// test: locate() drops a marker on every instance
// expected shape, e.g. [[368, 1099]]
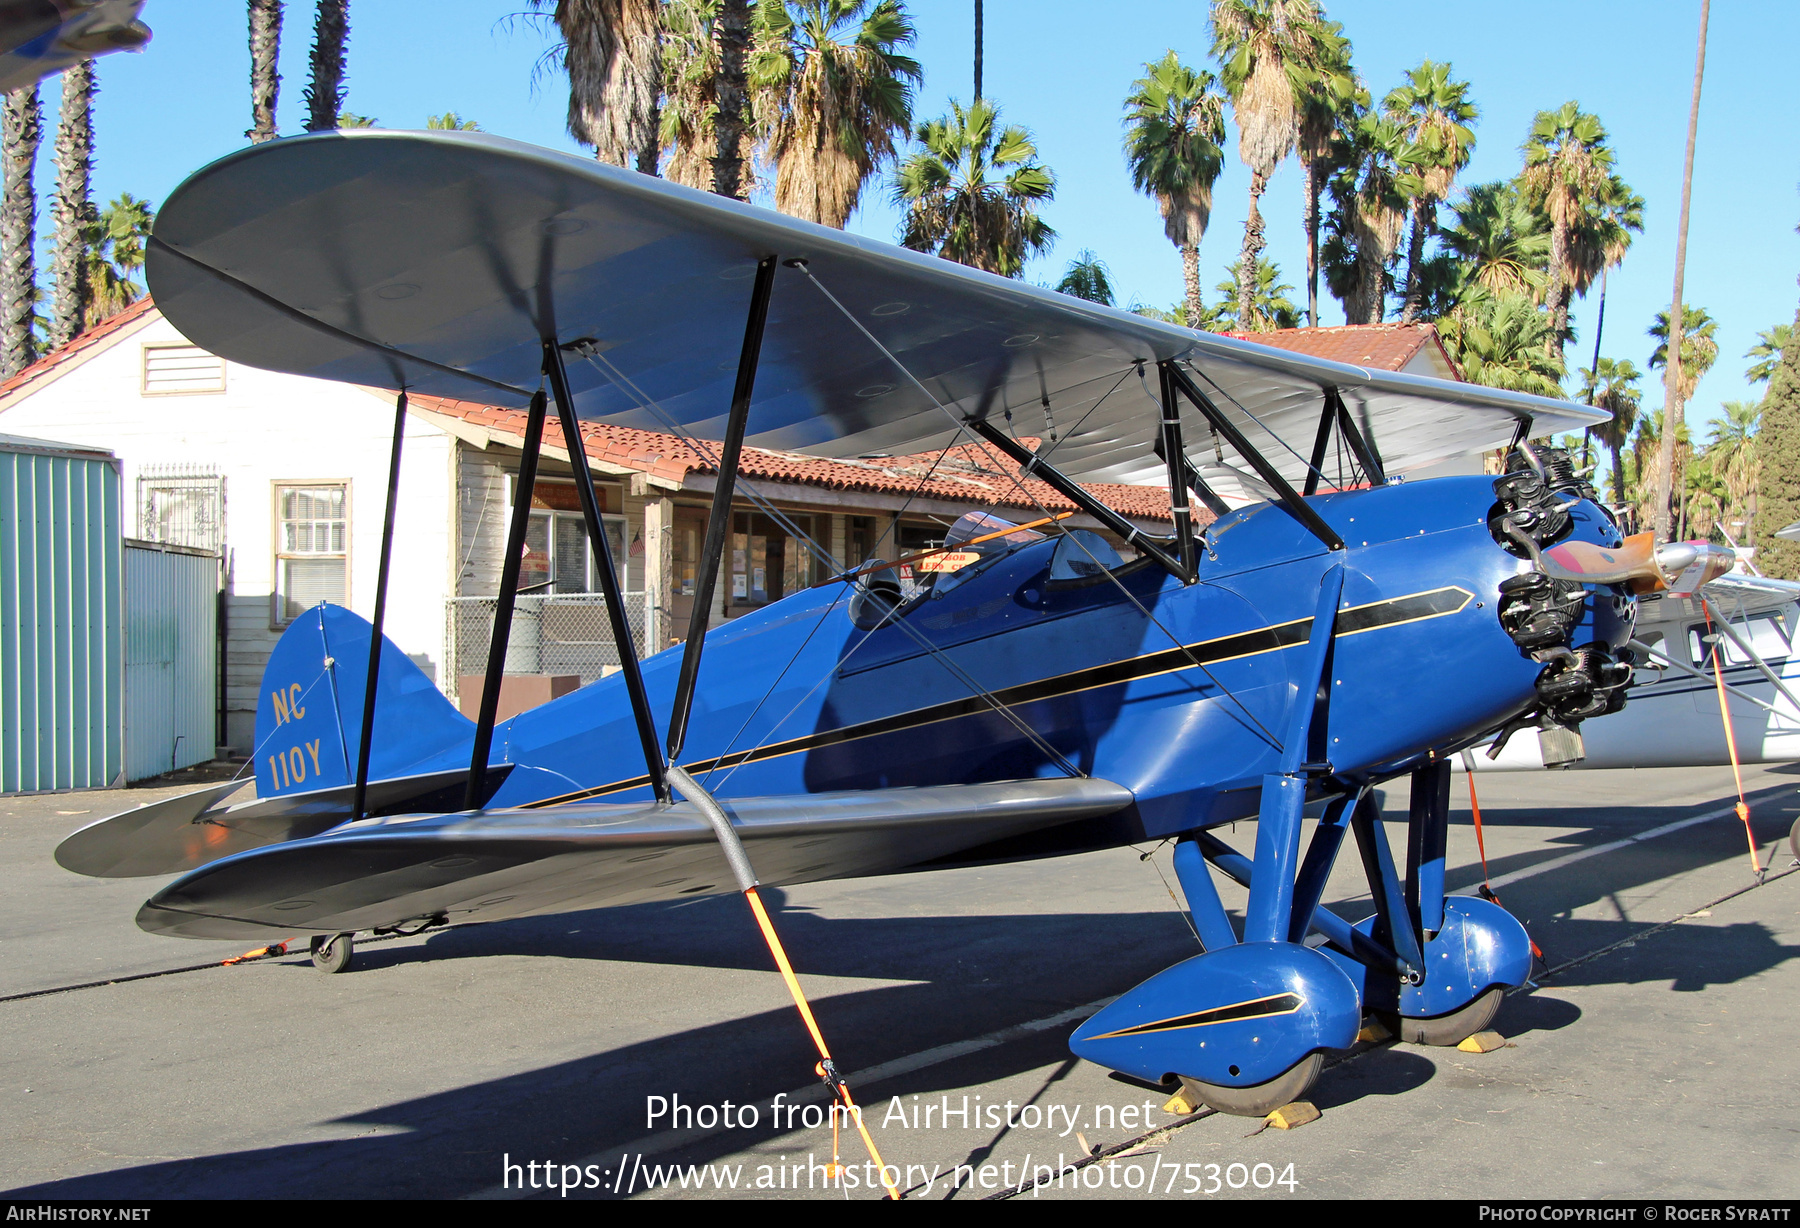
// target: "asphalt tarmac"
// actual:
[[1653, 1059]]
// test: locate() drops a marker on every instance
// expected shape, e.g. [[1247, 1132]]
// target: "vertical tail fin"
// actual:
[[309, 710]]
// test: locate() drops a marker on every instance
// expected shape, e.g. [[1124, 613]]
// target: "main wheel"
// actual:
[[332, 953], [1262, 1099], [1457, 1026], [1794, 838]]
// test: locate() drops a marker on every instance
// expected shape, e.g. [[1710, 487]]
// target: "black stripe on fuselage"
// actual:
[[1256, 1008], [1351, 621]]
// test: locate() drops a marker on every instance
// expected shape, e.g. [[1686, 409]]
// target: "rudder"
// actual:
[[309, 708]]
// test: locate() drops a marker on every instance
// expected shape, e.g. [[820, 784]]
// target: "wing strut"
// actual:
[[1361, 446], [1315, 467], [603, 563], [719, 520], [358, 798], [503, 612], [1031, 466], [1337, 414], [1175, 456], [1220, 423]]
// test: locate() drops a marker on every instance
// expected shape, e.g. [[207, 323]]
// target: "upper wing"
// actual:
[[440, 261], [506, 863]]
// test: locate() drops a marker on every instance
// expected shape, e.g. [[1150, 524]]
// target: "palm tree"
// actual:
[[1174, 315], [731, 98], [1613, 386], [265, 81], [1368, 217], [1087, 277], [831, 91], [1646, 446], [1731, 452], [21, 127], [1267, 50], [977, 50], [114, 242], [1699, 350], [613, 52], [1499, 241], [1600, 234], [1567, 168], [1771, 344], [325, 92], [1328, 101], [956, 210], [1433, 113], [1174, 123], [450, 121], [690, 76], [1270, 308], [1498, 340], [71, 209]]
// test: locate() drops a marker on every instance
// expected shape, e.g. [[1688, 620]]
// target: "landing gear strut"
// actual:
[[331, 953]]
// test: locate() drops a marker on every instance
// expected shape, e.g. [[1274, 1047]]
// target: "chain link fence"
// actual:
[[568, 633]]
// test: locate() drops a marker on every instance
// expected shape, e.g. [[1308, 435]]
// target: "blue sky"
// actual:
[[1062, 69]]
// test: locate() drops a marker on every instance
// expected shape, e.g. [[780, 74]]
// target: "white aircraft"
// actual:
[[1671, 717]]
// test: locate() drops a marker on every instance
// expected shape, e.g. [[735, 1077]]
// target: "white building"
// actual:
[[286, 477]]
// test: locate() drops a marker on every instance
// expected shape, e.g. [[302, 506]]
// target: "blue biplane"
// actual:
[[1062, 689]]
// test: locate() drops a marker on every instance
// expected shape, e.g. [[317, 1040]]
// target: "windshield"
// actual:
[[975, 541]]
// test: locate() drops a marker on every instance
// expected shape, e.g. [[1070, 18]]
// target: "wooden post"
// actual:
[[659, 573]]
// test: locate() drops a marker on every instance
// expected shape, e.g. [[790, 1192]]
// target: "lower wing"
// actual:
[[506, 863]]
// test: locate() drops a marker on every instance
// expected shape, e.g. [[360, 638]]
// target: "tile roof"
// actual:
[[1384, 347], [967, 473], [74, 351]]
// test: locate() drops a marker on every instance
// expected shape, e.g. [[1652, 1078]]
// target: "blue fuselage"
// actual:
[[1178, 692]]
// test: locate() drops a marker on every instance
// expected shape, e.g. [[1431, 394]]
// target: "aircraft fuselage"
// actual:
[[1179, 692]]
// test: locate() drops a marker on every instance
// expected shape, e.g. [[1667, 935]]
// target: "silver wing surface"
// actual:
[[506, 863], [182, 833], [442, 261]]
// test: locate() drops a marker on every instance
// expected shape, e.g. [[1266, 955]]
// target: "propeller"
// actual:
[[1679, 567]]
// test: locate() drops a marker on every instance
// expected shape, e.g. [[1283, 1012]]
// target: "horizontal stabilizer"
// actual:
[[162, 837], [183, 833], [508, 863]]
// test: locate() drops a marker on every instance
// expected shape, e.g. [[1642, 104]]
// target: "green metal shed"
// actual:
[[61, 617]]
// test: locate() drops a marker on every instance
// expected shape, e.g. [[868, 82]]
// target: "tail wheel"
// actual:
[[1263, 1098], [331, 953], [1457, 1026]]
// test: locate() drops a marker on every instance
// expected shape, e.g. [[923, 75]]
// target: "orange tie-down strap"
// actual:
[[1487, 891], [1715, 641], [826, 1069]]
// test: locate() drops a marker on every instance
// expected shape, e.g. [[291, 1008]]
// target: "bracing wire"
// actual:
[[956, 671], [1246, 412], [1035, 502]]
